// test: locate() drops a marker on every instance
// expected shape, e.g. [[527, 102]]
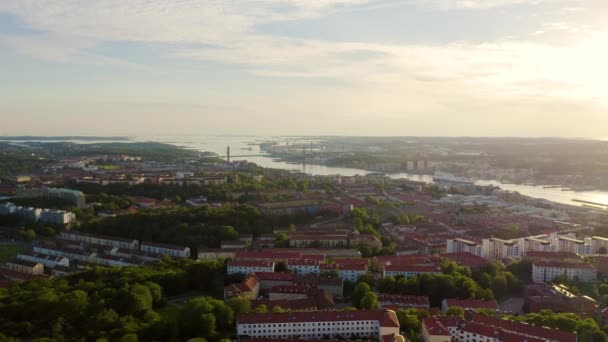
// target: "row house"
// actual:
[[288, 292], [409, 271], [165, 249], [547, 271], [347, 271], [71, 254], [47, 260], [488, 329], [304, 266], [249, 266], [317, 325], [99, 239], [24, 266]]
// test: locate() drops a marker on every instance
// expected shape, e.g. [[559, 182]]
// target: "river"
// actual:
[[241, 149]]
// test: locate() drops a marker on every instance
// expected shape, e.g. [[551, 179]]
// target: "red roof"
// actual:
[[290, 289], [434, 327], [472, 303], [250, 263], [364, 262], [480, 329], [413, 269], [526, 329], [449, 321], [385, 317], [302, 262], [343, 267], [552, 255], [274, 276], [563, 264], [268, 255]]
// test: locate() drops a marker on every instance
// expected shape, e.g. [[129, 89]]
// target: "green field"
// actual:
[[8, 251]]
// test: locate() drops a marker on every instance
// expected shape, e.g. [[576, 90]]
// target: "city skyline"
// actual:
[[331, 67]]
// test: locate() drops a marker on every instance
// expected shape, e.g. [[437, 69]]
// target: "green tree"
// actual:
[[360, 291], [369, 302], [455, 311]]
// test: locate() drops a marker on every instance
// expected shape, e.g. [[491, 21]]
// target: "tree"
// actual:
[[455, 311], [360, 291], [369, 302], [129, 338], [239, 305], [367, 278]]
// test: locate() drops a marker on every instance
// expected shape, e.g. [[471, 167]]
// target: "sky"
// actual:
[[304, 67]]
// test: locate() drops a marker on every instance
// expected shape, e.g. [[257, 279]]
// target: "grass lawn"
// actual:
[[8, 251]]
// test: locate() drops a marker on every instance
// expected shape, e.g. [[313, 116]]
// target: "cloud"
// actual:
[[389, 78]]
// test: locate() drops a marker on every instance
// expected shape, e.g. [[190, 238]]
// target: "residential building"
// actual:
[[599, 245], [462, 245], [99, 239], [304, 266], [74, 197], [347, 271], [166, 249], [216, 253], [249, 266], [56, 217], [409, 271], [546, 271], [558, 298], [249, 288], [499, 249], [47, 260], [289, 292], [434, 331], [571, 245], [24, 266], [317, 325], [71, 254], [469, 304], [393, 301], [333, 285], [270, 279]]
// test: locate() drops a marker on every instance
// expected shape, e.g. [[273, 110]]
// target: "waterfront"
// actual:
[[242, 151]]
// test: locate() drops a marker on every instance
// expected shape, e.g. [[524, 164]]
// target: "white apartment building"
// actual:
[[249, 266], [461, 245], [409, 271], [350, 272], [100, 239], [499, 249], [56, 216], [163, 248], [547, 271], [304, 267], [318, 325], [570, 245], [71, 254], [599, 245], [47, 260]]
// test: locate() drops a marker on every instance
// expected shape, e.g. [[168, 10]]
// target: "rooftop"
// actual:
[[385, 317]]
